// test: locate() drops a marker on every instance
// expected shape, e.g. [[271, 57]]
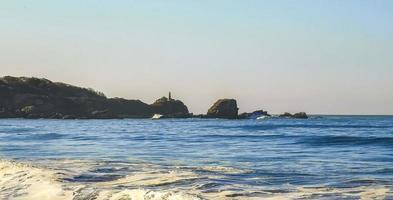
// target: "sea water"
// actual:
[[324, 157]]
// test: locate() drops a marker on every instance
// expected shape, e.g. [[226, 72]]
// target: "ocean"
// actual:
[[324, 157]]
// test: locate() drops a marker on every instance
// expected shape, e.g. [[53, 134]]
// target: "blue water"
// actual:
[[329, 151]]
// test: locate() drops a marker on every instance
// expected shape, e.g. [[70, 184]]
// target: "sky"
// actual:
[[321, 57]]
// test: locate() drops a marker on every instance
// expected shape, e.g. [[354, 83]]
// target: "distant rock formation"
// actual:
[[22, 97], [300, 115], [224, 108], [41, 98], [254, 115], [286, 114], [170, 108]]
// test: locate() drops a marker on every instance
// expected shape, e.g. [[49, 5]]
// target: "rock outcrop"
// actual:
[[41, 98], [224, 108], [286, 115], [300, 115], [170, 108], [254, 115]]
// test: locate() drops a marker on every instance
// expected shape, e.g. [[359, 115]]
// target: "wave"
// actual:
[[35, 136], [223, 170], [315, 140], [49, 180], [246, 136], [255, 127], [23, 181], [338, 140], [17, 130]]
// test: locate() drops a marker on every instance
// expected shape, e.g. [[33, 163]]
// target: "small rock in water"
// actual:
[[299, 115], [224, 108]]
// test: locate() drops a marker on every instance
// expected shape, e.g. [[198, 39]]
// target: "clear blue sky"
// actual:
[[331, 56]]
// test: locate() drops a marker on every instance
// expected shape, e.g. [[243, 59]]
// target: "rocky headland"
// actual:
[[23, 97]]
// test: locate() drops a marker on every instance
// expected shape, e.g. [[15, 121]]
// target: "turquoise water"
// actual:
[[266, 156]]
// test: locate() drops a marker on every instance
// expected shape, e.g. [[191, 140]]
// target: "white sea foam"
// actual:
[[21, 181], [48, 181], [226, 170], [25, 182]]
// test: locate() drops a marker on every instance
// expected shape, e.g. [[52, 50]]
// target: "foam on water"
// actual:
[[42, 181], [23, 181]]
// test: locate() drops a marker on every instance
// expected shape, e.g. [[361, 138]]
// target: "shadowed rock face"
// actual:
[[224, 108], [42, 98]]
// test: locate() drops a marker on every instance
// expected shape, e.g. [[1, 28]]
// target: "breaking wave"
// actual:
[[58, 180]]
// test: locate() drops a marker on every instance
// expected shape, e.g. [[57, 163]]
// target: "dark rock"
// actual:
[[123, 108], [300, 115], [254, 115], [260, 113], [170, 108], [199, 116], [68, 117], [224, 108], [243, 115], [287, 114]]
